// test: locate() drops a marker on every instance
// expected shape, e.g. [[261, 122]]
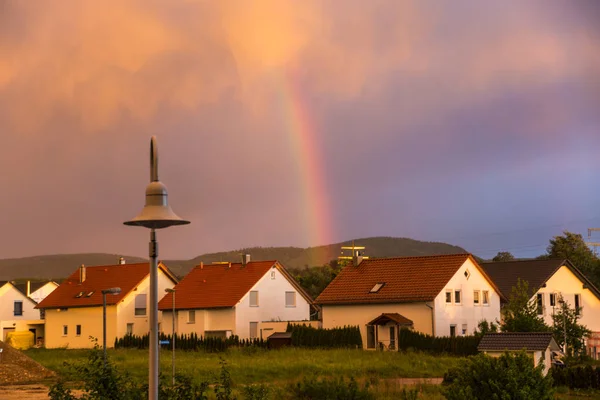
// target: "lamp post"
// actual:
[[172, 291], [115, 291], [156, 214]]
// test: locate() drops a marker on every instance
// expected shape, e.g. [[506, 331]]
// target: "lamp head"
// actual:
[[113, 290]]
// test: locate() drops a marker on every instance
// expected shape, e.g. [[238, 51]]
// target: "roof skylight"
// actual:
[[377, 287], [89, 294], [78, 295]]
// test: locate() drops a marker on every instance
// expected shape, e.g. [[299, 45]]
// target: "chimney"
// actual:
[[229, 264], [82, 273], [357, 259], [245, 259], [201, 264], [121, 261], [28, 288]]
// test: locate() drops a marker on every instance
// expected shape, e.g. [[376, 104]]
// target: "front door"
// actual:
[[392, 337], [370, 336]]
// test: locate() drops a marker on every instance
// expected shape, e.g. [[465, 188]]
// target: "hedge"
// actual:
[[190, 342], [308, 336], [458, 345], [579, 377]]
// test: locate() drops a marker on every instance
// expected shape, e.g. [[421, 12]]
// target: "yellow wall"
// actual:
[[90, 319], [340, 315], [219, 319]]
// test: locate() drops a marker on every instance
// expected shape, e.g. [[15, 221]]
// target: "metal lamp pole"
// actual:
[[172, 291], [115, 291], [156, 214]]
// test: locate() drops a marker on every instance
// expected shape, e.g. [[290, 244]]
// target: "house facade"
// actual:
[[37, 291], [74, 311], [234, 299], [550, 282], [18, 313], [446, 295]]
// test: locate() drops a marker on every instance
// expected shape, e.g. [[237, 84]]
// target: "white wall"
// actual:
[[43, 292], [465, 313], [271, 304], [8, 295], [126, 311], [566, 283]]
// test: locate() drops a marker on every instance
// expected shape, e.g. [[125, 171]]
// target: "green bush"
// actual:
[[510, 376], [458, 345], [333, 389], [577, 377], [190, 342], [307, 336]]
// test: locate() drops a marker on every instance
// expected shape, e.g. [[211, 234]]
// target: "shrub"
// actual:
[[308, 336], [321, 388], [511, 376], [458, 345], [255, 392]]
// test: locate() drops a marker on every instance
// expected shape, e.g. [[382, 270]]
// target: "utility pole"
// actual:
[[356, 254]]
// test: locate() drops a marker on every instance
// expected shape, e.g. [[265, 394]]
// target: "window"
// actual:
[[65, 330], [467, 274], [540, 304], [457, 297], [448, 296], [377, 287], [577, 304], [552, 299], [464, 329], [78, 330], [485, 297], [476, 297], [254, 298], [130, 329], [272, 274], [290, 299], [18, 308], [191, 317], [89, 294], [452, 330], [253, 330], [140, 305], [78, 295]]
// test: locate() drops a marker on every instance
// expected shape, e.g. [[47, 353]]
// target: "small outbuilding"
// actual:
[[540, 345], [279, 339]]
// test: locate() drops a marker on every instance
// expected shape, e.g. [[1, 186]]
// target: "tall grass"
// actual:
[[252, 365]]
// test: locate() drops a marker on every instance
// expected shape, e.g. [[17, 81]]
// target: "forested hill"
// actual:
[[59, 266]]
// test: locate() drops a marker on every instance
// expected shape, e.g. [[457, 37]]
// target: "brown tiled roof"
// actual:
[[393, 317], [220, 285], [536, 272], [406, 279], [125, 276], [534, 341]]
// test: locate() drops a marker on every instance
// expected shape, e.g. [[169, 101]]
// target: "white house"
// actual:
[[234, 299], [550, 282], [443, 295], [74, 310], [37, 290], [17, 312]]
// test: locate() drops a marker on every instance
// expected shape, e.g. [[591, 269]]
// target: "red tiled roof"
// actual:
[[125, 276], [217, 285], [406, 280], [393, 317]]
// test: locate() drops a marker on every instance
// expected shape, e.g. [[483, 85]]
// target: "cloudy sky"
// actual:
[[298, 122]]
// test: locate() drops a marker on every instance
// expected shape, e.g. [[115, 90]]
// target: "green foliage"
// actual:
[[511, 376], [255, 392], [580, 377], [307, 336], [409, 394], [329, 389], [458, 345], [223, 387], [484, 327], [315, 279], [572, 246], [520, 314], [566, 323], [503, 256], [191, 342]]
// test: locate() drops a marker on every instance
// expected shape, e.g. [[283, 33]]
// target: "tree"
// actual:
[[566, 324], [572, 246], [520, 314], [503, 256], [315, 279], [510, 376], [484, 327]]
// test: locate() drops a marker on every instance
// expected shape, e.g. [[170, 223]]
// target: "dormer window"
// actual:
[[377, 287], [78, 295], [89, 294]]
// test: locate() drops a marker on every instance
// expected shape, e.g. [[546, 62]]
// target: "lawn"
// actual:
[[250, 365]]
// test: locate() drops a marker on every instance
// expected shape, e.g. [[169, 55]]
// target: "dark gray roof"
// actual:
[[281, 335], [533, 341], [506, 274]]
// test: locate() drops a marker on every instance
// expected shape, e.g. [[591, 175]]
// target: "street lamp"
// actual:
[[156, 214], [172, 291], [114, 291]]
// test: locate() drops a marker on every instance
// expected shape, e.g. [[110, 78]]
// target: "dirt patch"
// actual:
[[19, 392], [16, 368]]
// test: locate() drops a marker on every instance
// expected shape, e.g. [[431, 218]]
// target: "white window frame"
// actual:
[[449, 292], [257, 302], [127, 330], [476, 297], [14, 308], [578, 312], [485, 297], [552, 299], [191, 317], [288, 305], [65, 330], [540, 309], [136, 308], [253, 323], [464, 330], [273, 274], [459, 291]]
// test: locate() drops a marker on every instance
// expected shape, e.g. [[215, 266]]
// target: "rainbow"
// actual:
[[301, 132]]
